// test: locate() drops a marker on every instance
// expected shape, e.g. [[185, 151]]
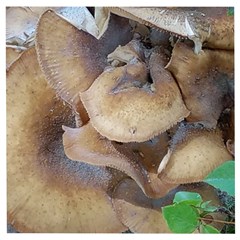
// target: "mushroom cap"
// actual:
[[46, 191], [209, 26], [137, 160], [144, 215], [72, 59], [203, 80], [193, 153], [137, 112]]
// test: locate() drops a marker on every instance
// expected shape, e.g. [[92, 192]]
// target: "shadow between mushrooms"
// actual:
[[47, 192]]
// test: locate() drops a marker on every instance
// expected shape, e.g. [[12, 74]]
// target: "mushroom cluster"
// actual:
[[105, 126]]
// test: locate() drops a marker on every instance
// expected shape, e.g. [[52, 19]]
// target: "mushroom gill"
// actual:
[[46, 191], [193, 153], [144, 215], [203, 80], [71, 59], [138, 160], [140, 110]]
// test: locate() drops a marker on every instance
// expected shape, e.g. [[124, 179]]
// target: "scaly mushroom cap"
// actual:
[[139, 161], [212, 28], [46, 191], [72, 59], [193, 153], [136, 112], [144, 215], [203, 80]]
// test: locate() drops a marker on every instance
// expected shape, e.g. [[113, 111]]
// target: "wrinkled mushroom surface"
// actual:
[[139, 111], [46, 191]]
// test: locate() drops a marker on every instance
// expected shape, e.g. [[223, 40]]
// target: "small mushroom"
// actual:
[[193, 153], [72, 59], [144, 215], [47, 192], [203, 80], [137, 112], [139, 161]]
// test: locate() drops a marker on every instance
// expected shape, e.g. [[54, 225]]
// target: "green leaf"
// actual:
[[223, 177], [208, 229], [190, 198], [181, 218], [208, 208]]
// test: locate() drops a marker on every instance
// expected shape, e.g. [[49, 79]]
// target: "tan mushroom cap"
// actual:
[[72, 59], [139, 161], [144, 215], [203, 80], [46, 191], [137, 112], [193, 153]]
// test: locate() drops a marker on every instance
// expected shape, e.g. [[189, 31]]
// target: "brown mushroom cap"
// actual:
[[144, 215], [139, 161], [71, 59], [46, 191], [203, 80], [138, 112], [193, 153]]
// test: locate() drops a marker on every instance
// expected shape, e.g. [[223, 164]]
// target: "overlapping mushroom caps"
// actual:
[[203, 80], [124, 106], [140, 161], [209, 26], [144, 215], [46, 191], [136, 100], [71, 59]]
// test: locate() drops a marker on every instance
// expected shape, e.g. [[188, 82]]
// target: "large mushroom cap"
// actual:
[[139, 111], [193, 153], [203, 80], [70, 58], [144, 215], [46, 191]]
